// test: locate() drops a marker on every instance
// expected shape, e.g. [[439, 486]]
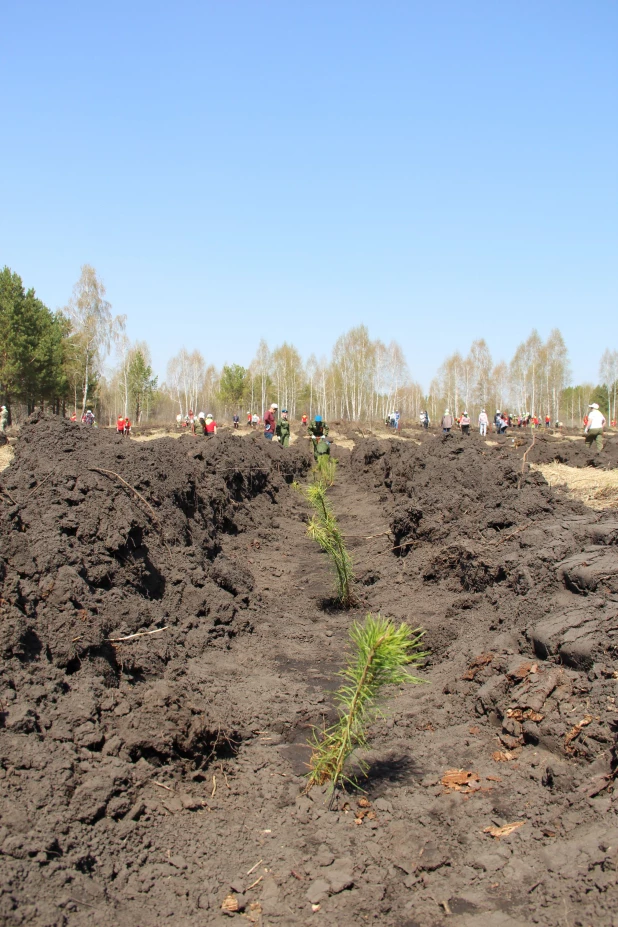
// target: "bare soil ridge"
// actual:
[[155, 776]]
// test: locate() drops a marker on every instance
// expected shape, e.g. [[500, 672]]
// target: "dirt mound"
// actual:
[[522, 592], [110, 539], [574, 453], [168, 643], [454, 487]]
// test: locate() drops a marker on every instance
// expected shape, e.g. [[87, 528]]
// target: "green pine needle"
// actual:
[[325, 470], [323, 529], [382, 652]]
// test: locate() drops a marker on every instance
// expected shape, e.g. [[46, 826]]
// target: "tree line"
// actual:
[[60, 361], [56, 360]]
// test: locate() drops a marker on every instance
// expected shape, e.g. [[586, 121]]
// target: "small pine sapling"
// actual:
[[325, 470], [380, 657], [324, 529]]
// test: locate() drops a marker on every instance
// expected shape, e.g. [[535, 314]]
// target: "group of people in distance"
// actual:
[[123, 426], [594, 423], [392, 420], [501, 422], [277, 425], [86, 419], [200, 424], [277, 428]]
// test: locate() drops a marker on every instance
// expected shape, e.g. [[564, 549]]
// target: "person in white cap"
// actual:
[[447, 422], [594, 428], [269, 422]]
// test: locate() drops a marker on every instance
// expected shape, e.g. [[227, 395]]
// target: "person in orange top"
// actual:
[[120, 425], [304, 419], [127, 427]]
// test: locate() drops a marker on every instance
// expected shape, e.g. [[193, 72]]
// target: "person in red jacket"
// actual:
[[269, 422], [120, 425], [127, 427], [210, 428]]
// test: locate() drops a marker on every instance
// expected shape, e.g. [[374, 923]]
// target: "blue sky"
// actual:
[[234, 170]]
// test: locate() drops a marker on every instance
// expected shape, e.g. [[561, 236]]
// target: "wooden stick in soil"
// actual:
[[365, 537], [6, 493], [112, 473], [130, 637], [161, 786], [523, 461], [38, 485]]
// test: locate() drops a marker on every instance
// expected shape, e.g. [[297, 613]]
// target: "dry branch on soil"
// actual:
[[138, 495], [130, 637], [523, 462]]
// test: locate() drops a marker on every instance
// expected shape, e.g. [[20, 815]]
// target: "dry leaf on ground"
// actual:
[[230, 904], [523, 670], [460, 780], [575, 731], [503, 756], [524, 714], [503, 831], [477, 664]]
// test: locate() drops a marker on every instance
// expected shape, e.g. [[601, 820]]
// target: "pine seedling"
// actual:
[[380, 657], [325, 470], [324, 529]]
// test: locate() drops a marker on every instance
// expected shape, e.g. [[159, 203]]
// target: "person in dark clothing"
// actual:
[[282, 429], [269, 422], [318, 431]]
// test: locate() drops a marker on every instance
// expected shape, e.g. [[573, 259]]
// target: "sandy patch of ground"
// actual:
[[6, 456], [340, 440], [595, 487], [158, 433]]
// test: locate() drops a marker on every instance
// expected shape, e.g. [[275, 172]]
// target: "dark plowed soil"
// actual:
[[148, 779], [574, 452]]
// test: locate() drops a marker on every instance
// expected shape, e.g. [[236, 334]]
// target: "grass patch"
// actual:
[[596, 488]]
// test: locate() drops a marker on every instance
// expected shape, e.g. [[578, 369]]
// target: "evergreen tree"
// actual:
[[141, 382]]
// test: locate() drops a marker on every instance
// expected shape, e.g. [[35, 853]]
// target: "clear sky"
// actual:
[[439, 171]]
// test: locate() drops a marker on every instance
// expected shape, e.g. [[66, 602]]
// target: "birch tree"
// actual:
[[288, 377], [92, 323], [354, 358], [608, 375], [260, 367]]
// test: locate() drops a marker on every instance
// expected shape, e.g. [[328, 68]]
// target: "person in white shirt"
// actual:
[[483, 422], [594, 428]]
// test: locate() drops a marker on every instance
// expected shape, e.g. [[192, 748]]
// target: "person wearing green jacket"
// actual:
[[319, 431], [282, 429]]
